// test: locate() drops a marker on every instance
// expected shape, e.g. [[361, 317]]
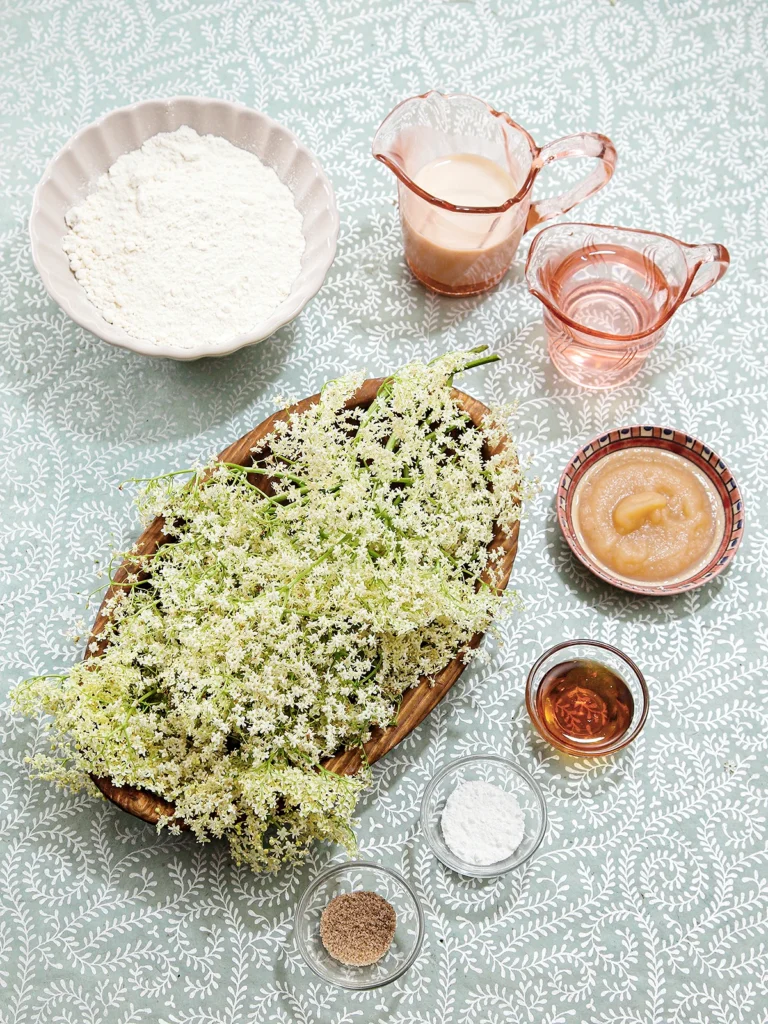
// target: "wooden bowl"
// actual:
[[417, 702]]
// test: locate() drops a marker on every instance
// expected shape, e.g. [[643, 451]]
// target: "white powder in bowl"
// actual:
[[186, 240], [482, 824]]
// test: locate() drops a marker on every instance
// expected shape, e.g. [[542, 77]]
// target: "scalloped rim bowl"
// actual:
[[93, 150], [668, 439]]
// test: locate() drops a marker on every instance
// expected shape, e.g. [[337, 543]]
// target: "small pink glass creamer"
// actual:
[[465, 175], [609, 293]]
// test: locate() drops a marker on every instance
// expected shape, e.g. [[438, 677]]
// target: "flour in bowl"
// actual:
[[186, 240]]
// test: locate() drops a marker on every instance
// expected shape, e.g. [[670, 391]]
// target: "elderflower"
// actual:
[[268, 631]]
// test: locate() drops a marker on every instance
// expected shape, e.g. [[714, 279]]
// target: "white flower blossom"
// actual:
[[269, 631]]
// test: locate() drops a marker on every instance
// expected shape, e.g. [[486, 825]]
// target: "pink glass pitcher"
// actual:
[[609, 293], [465, 177]]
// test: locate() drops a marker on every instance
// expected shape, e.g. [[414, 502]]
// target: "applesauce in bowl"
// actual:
[[651, 510], [648, 514]]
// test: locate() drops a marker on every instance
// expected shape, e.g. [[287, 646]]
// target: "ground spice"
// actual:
[[357, 928]]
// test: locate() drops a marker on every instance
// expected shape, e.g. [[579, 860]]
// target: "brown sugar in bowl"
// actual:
[[357, 928], [357, 877]]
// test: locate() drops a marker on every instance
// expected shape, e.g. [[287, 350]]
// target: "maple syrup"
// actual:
[[584, 704]]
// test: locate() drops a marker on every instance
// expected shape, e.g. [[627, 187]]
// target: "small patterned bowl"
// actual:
[[352, 877], [669, 440], [501, 772], [93, 150]]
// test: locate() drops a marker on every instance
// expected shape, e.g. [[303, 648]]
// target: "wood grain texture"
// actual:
[[417, 702]]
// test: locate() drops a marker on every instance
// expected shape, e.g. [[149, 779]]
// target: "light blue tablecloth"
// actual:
[[647, 901]]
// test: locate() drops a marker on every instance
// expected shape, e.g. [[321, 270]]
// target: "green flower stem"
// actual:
[[493, 358], [306, 572], [247, 470], [155, 479]]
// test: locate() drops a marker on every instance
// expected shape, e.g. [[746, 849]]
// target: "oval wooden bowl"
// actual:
[[417, 702]]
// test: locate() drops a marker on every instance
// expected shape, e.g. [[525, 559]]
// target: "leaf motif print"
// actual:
[[647, 902]]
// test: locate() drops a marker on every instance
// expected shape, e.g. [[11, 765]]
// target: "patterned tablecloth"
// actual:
[[647, 901]]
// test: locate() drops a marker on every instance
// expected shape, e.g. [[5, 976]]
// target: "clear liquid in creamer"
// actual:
[[453, 251]]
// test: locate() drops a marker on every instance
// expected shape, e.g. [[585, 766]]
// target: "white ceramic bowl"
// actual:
[[93, 150]]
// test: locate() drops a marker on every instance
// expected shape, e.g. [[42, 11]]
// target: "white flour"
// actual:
[[188, 239], [481, 823]]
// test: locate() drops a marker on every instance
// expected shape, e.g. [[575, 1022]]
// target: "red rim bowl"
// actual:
[[698, 453]]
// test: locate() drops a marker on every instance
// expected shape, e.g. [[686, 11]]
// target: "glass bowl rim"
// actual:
[[301, 913], [535, 718], [500, 867]]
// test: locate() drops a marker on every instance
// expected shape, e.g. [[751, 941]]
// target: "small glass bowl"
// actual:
[[354, 876], [501, 772], [615, 660]]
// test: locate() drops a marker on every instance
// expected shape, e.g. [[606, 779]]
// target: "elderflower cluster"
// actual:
[[271, 630]]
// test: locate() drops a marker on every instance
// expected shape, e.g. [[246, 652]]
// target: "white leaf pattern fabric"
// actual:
[[647, 901]]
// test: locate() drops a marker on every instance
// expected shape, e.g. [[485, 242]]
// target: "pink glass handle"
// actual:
[[710, 263], [588, 144]]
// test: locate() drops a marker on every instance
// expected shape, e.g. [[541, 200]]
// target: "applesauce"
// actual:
[[648, 515]]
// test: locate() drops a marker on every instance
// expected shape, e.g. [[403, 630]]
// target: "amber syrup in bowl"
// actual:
[[587, 698], [584, 702]]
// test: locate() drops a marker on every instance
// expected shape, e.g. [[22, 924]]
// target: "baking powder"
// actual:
[[186, 240], [481, 823]]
